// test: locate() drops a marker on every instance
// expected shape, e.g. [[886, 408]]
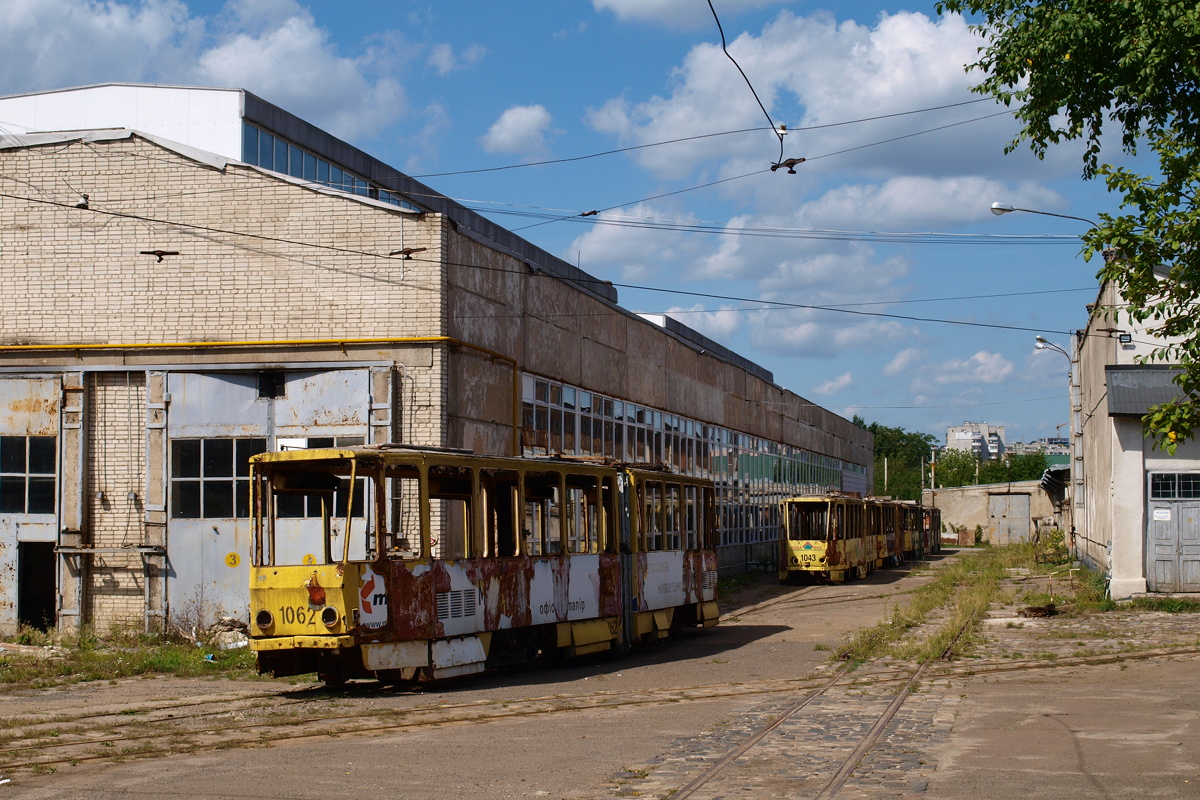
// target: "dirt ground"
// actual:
[[1042, 731]]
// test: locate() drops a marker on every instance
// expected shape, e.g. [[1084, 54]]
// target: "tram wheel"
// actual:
[[331, 679]]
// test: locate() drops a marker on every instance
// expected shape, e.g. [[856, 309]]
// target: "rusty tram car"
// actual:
[[400, 563], [840, 536]]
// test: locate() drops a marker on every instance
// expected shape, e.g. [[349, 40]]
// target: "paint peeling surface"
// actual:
[[8, 587], [29, 406]]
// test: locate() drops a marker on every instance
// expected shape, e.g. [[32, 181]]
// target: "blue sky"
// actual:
[[792, 271]]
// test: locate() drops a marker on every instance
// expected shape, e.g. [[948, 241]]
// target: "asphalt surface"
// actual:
[[1049, 727]]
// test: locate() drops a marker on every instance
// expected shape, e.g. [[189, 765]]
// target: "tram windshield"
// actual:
[[807, 521]]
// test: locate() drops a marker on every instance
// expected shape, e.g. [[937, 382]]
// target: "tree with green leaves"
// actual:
[[900, 458], [1073, 67]]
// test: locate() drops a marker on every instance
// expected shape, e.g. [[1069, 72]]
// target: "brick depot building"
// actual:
[[191, 276]]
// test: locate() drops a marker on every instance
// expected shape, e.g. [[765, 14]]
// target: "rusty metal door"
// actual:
[[207, 553], [1008, 518], [1173, 545]]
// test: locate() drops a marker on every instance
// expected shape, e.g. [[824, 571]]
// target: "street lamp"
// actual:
[[1004, 208], [1045, 344]]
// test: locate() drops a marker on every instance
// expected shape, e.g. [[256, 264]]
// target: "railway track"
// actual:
[[149, 730]]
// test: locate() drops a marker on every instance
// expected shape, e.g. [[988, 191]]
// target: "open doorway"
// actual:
[[35, 584]]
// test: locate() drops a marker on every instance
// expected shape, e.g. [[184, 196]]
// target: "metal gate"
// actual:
[[1008, 518]]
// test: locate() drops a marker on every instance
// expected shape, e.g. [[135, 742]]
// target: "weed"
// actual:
[[1171, 605], [82, 656]]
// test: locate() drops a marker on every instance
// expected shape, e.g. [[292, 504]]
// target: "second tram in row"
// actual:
[[838, 536]]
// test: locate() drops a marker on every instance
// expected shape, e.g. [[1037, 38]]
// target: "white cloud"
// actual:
[[567, 33], [294, 65], [816, 71], [520, 130], [443, 58], [981, 368], [49, 44], [274, 48], [835, 385], [687, 14], [904, 362], [720, 325], [640, 254], [810, 334]]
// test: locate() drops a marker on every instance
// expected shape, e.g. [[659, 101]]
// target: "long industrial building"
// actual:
[[193, 275]]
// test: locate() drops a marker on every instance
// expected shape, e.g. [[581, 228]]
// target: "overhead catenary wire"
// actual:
[[682, 292], [725, 49], [697, 137], [593, 215]]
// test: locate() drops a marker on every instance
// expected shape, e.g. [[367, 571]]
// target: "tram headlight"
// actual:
[[330, 616], [264, 620]]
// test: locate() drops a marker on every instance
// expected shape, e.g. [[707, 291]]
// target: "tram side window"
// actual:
[[498, 489], [652, 511], [450, 512], [674, 532], [691, 512], [404, 515], [543, 514], [808, 522], [584, 514]]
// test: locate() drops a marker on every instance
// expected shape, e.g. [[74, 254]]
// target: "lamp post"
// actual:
[[1074, 381], [1044, 344]]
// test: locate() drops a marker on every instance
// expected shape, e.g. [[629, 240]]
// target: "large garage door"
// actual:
[[215, 422]]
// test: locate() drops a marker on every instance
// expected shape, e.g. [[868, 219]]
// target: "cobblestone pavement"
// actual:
[[799, 758]]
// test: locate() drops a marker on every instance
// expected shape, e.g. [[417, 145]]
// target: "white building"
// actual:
[[1136, 509], [985, 442]]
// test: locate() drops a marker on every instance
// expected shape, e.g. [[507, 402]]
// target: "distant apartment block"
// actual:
[[985, 442]]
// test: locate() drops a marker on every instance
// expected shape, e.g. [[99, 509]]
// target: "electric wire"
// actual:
[[679, 140], [725, 50], [581, 281]]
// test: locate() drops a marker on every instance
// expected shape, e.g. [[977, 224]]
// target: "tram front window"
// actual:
[[309, 511], [808, 523]]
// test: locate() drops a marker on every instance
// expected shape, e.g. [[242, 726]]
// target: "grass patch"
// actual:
[[1171, 605], [963, 591], [81, 657]]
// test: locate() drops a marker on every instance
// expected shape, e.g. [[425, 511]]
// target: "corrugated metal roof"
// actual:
[[1133, 389]]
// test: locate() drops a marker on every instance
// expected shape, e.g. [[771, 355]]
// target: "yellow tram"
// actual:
[[840, 536], [401, 563]]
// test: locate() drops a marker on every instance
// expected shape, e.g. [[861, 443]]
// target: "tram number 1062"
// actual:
[[292, 615]]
